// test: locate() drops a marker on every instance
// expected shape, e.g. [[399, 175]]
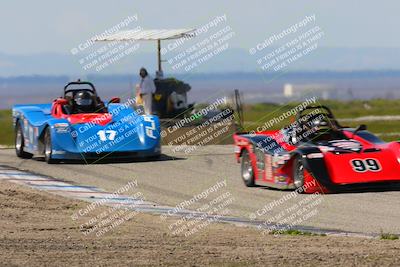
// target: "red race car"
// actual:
[[316, 154]]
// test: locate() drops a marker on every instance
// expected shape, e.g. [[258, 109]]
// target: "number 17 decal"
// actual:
[[105, 135], [363, 165]]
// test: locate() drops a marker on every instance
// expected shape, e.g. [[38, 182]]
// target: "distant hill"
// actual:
[[256, 86], [232, 60]]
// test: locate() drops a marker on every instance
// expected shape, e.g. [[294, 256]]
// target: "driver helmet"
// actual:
[[83, 99]]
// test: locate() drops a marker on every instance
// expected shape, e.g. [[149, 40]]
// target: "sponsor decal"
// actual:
[[344, 144], [150, 129], [237, 149], [280, 179], [58, 152], [268, 166], [315, 156]]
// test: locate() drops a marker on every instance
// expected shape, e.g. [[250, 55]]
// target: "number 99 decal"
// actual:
[[363, 165]]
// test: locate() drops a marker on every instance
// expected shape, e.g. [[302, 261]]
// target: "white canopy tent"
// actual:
[[149, 35]]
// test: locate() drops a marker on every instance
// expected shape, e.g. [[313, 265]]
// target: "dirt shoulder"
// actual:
[[36, 229]]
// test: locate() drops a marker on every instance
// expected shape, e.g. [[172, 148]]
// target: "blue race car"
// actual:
[[79, 126]]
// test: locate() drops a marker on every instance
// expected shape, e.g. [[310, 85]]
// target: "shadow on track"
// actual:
[[353, 189]]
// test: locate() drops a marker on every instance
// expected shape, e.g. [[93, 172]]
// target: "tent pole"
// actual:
[[159, 54]]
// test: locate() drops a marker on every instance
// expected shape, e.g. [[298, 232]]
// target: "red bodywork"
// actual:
[[97, 118], [331, 172]]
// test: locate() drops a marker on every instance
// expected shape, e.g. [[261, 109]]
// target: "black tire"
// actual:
[[298, 172], [48, 150], [19, 143], [247, 170]]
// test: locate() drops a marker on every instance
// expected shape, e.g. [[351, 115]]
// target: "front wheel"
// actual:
[[20, 143], [298, 172], [48, 149], [247, 169]]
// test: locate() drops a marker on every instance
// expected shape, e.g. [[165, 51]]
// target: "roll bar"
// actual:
[[79, 82]]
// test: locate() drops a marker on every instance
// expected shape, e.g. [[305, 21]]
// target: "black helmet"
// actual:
[[83, 99]]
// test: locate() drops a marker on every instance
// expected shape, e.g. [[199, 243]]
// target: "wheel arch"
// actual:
[[316, 167], [41, 138]]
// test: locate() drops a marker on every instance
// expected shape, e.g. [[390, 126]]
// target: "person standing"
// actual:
[[146, 90]]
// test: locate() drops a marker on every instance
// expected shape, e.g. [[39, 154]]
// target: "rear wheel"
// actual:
[[20, 143], [48, 149], [298, 172], [247, 169]]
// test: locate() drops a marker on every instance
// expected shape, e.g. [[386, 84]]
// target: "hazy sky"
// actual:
[[57, 26]]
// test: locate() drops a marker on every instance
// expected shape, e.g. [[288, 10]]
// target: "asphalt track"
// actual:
[[178, 177]]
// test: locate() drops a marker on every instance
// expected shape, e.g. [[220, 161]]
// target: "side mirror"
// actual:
[[115, 100]]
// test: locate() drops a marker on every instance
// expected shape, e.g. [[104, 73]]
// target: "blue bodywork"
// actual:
[[127, 135]]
